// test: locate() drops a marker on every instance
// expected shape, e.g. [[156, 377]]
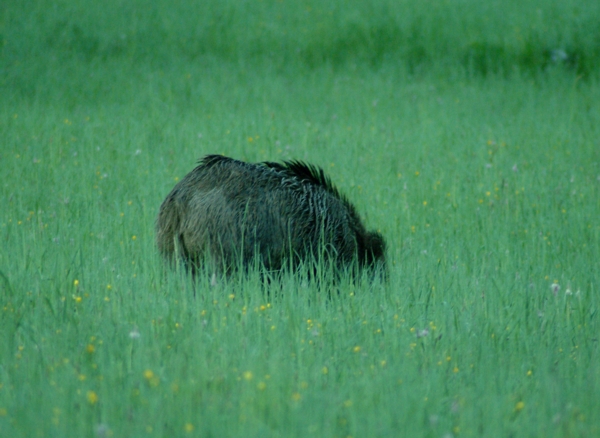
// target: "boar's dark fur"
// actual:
[[229, 213]]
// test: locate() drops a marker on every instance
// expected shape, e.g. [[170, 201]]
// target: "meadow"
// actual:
[[466, 132]]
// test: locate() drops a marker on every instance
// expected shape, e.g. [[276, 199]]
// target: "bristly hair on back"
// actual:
[[310, 174], [211, 160], [295, 168]]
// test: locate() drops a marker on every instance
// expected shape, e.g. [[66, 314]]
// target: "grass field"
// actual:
[[466, 132]]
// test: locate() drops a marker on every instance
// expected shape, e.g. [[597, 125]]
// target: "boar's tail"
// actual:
[[168, 230]]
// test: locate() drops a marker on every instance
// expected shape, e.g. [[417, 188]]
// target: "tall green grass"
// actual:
[[482, 38], [484, 178]]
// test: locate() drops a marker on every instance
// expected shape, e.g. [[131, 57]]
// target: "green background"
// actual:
[[466, 132]]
